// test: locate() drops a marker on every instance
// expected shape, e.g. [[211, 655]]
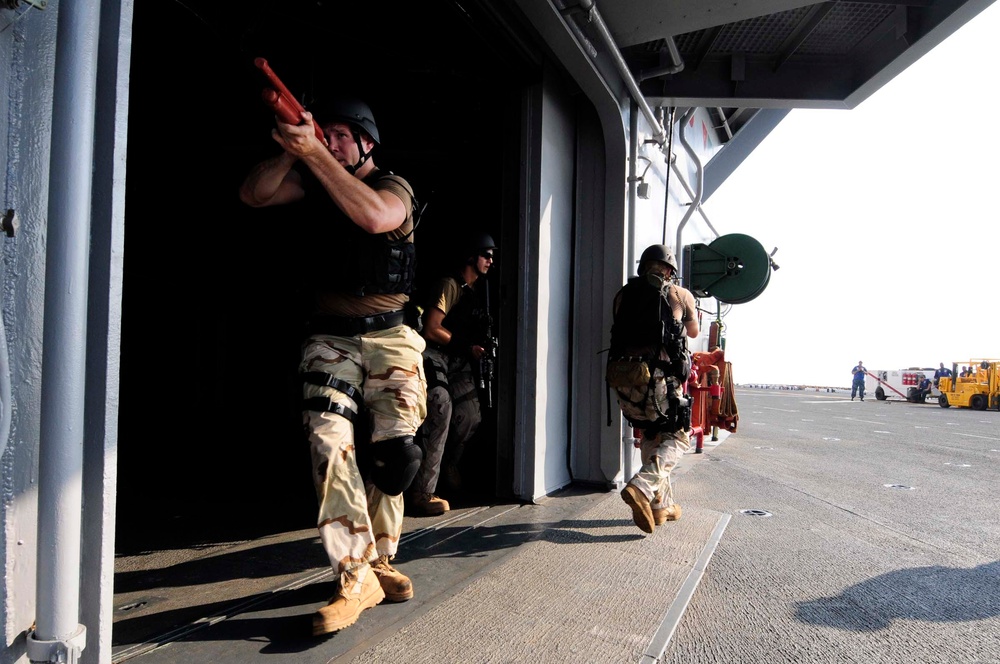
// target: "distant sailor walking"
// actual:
[[858, 384]]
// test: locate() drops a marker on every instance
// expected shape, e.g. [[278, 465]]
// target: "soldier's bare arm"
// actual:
[[272, 182], [690, 314], [433, 330], [373, 211]]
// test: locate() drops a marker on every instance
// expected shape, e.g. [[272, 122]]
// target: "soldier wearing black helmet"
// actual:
[[648, 367], [361, 361], [452, 316]]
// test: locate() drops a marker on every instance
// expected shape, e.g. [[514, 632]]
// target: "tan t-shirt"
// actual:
[[445, 294], [347, 304]]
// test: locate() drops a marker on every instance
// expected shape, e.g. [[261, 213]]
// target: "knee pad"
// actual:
[[395, 463]]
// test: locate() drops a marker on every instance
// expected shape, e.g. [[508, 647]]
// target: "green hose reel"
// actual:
[[733, 268]]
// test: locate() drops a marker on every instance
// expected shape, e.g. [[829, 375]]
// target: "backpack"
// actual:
[[643, 331]]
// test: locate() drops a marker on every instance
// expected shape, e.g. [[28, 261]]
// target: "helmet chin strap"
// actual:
[[361, 151]]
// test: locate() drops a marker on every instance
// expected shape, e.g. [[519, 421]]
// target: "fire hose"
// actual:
[[727, 407]]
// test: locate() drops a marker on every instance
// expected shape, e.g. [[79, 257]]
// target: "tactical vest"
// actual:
[[644, 325], [645, 337], [461, 319], [345, 258]]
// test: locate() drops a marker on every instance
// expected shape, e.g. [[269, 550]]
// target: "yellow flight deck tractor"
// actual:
[[979, 391]]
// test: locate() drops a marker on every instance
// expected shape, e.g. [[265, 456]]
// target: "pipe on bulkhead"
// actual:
[[58, 636], [698, 191], [687, 189], [628, 440], [667, 151], [594, 16], [676, 65], [725, 122], [633, 157], [581, 38]]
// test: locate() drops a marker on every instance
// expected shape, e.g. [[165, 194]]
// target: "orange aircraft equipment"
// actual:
[[713, 403]]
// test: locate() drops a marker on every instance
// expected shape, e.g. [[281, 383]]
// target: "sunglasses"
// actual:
[[487, 254]]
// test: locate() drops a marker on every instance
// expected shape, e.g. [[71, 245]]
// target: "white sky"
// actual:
[[885, 218]]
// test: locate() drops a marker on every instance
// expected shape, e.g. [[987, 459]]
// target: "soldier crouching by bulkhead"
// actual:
[[648, 366], [361, 362]]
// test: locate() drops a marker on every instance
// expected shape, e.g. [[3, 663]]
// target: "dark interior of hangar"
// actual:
[[210, 438]]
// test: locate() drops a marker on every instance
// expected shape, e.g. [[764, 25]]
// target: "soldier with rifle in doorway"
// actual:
[[459, 361], [361, 359]]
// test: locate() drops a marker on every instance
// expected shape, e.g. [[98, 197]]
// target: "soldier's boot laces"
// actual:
[[642, 513], [663, 514], [427, 504], [359, 590], [396, 585]]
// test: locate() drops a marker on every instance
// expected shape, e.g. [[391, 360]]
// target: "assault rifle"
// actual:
[[487, 363], [282, 101]]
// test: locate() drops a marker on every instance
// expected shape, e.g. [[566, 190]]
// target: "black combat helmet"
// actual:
[[349, 110], [480, 243], [658, 252]]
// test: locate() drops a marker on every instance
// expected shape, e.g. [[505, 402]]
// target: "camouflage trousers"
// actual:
[[357, 522], [661, 452], [453, 415]]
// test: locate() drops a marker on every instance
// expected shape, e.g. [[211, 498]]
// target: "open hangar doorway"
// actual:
[[211, 443]]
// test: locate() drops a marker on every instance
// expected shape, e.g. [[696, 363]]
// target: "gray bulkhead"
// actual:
[[25, 83], [596, 257], [605, 236], [30, 87]]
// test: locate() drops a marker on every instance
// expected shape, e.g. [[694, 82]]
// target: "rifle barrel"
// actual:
[[283, 102], [281, 107], [261, 64]]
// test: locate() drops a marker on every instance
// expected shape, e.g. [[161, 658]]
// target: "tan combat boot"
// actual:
[[427, 504], [642, 513], [664, 514], [359, 590], [396, 585]]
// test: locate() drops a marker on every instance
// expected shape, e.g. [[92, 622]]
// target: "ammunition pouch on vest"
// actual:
[[628, 373], [676, 417], [366, 264]]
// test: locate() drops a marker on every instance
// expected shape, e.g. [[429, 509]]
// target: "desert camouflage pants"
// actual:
[[661, 453], [356, 522], [453, 415]]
